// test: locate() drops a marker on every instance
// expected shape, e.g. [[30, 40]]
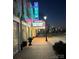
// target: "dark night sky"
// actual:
[[55, 10]]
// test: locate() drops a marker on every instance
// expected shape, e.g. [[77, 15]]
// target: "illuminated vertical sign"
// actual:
[[25, 7], [36, 11], [28, 8], [31, 11], [19, 8]]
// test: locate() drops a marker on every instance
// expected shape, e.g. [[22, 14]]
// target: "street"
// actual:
[[40, 49]]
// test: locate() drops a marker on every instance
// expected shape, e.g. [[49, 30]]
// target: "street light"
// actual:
[[45, 17]]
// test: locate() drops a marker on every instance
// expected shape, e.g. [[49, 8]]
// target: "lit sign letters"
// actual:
[[36, 12], [38, 23]]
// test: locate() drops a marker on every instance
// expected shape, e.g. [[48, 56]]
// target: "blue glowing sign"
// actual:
[[36, 4], [36, 11]]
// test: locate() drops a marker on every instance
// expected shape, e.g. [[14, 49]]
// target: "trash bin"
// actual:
[[23, 44], [30, 40]]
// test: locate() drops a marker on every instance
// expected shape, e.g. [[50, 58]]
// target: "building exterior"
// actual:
[[25, 24], [16, 40], [15, 27]]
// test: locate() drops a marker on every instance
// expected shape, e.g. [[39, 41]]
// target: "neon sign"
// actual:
[[36, 12], [38, 23]]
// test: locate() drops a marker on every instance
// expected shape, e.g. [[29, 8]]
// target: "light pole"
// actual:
[[45, 17]]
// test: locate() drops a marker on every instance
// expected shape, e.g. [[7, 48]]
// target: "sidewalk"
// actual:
[[40, 49]]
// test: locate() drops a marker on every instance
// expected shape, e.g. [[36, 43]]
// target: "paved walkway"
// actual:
[[40, 49]]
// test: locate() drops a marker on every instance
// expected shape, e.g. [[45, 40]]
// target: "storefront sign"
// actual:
[[38, 23]]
